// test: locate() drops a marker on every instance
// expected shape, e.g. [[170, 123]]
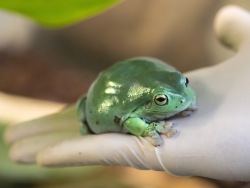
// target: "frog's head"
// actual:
[[170, 98]]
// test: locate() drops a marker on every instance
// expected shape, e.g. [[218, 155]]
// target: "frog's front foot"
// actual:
[[165, 127], [156, 139], [162, 127]]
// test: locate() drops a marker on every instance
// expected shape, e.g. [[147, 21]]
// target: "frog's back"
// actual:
[[119, 90], [136, 66]]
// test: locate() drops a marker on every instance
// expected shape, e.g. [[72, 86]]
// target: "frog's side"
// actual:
[[136, 96]]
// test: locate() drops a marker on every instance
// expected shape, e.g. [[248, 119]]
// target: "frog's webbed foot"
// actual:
[[165, 127], [139, 127], [156, 139], [162, 127]]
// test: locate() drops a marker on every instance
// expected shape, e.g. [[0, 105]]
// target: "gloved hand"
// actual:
[[212, 142]]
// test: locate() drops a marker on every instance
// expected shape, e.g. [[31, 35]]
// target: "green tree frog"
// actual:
[[137, 96]]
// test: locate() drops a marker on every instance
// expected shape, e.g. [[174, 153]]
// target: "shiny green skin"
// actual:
[[127, 90]]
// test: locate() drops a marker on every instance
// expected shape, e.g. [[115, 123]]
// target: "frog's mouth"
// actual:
[[157, 115]]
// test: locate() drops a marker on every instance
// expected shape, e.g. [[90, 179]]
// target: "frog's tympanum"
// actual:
[[137, 96]]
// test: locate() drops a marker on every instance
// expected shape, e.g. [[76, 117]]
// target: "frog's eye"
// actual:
[[161, 99], [186, 82]]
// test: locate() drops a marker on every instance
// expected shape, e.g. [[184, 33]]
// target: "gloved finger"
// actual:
[[104, 149], [64, 120], [232, 30], [25, 150]]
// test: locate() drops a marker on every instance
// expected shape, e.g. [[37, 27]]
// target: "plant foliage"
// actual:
[[57, 13]]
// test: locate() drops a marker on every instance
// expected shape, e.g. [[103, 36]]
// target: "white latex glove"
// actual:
[[213, 142]]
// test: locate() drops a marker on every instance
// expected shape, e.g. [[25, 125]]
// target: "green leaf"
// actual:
[[57, 13]]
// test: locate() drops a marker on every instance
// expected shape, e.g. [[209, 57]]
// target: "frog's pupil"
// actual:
[[187, 81], [161, 99]]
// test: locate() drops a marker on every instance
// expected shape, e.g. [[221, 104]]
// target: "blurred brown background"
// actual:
[[59, 65]]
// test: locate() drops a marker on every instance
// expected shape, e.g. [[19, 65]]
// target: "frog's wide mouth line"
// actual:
[[172, 112]]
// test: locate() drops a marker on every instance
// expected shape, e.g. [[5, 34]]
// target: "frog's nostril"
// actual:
[[182, 101]]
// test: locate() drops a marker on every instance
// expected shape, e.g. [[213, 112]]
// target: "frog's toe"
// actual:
[[170, 133], [163, 128], [156, 140]]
